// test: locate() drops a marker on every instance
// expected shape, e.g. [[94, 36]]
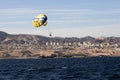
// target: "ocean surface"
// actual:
[[91, 68]]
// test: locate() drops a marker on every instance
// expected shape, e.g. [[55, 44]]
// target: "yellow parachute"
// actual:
[[40, 20]]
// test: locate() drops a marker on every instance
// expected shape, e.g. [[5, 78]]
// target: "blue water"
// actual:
[[94, 68]]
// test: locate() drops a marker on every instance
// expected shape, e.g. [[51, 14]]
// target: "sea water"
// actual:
[[89, 68]]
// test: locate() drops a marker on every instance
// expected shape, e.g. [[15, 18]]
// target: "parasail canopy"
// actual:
[[40, 20]]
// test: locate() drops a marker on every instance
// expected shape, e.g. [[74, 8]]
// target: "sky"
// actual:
[[66, 18]]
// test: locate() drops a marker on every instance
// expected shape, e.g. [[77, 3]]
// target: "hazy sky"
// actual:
[[66, 18]]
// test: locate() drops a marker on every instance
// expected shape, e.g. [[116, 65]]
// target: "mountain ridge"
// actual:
[[4, 35], [37, 46]]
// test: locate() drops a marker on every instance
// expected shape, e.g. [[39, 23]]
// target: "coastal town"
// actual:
[[35, 46]]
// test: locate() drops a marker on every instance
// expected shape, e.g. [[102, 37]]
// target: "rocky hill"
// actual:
[[35, 46], [7, 38]]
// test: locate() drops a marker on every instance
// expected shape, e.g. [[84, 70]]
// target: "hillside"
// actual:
[[26, 46], [5, 37]]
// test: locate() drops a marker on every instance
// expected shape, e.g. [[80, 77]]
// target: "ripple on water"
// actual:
[[96, 68]]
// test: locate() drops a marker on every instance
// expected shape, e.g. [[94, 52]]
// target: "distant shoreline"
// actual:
[[58, 58], [36, 46]]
